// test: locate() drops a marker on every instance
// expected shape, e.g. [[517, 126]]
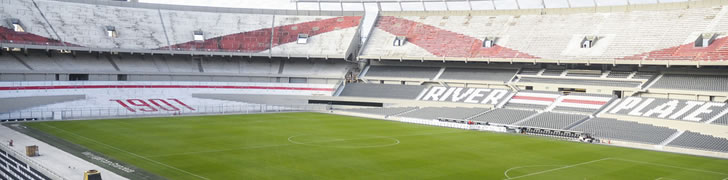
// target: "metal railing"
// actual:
[[150, 111]]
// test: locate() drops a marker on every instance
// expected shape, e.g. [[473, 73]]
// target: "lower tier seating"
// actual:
[[625, 130], [699, 141], [382, 91], [12, 168], [553, 120], [445, 112], [503, 116], [382, 111]]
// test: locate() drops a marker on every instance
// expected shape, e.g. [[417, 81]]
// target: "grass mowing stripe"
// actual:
[[134, 154], [207, 145], [294, 143]]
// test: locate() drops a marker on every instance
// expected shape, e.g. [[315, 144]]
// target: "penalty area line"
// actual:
[[670, 166], [134, 154]]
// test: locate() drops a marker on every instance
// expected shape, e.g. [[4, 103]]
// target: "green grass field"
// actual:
[[324, 146]]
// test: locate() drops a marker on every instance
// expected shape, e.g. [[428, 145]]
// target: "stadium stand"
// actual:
[[382, 91], [163, 28], [397, 72], [503, 116], [553, 72], [619, 74], [625, 130], [695, 140], [12, 168], [553, 120], [137, 67], [529, 71], [584, 73], [10, 104], [541, 36], [388, 111], [693, 82], [573, 110], [588, 82], [221, 54], [444, 112], [582, 103], [532, 100], [668, 109], [476, 74], [722, 120], [644, 75]]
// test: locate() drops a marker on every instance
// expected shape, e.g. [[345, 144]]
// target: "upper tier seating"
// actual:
[[631, 84], [553, 120], [529, 71], [621, 36], [619, 74], [382, 91], [625, 130], [717, 83], [444, 112], [163, 27], [644, 75], [699, 141], [503, 116], [476, 74], [402, 72], [553, 72], [584, 73]]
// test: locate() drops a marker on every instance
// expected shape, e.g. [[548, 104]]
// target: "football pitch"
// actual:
[[325, 146]]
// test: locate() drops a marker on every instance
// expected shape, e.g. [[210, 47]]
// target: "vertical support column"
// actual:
[[341, 5], [470, 5], [423, 5], [493, 3], [161, 19], [446, 6], [272, 35]]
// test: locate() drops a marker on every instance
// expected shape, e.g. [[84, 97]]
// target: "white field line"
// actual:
[[664, 178], [519, 167], [670, 166], [560, 168], [620, 159], [145, 158], [292, 143]]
